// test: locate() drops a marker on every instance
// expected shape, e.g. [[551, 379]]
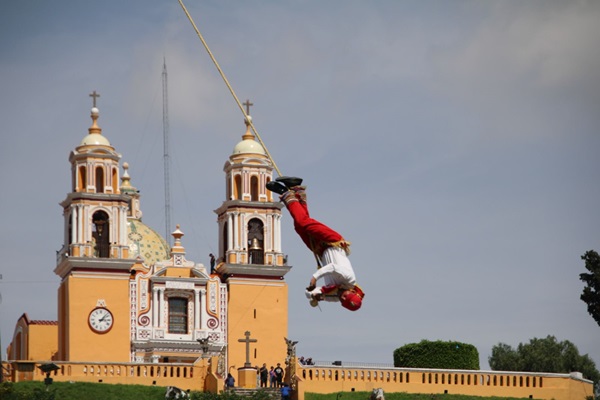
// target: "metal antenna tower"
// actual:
[[166, 158]]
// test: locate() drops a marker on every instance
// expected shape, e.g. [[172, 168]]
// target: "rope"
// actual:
[[246, 116]]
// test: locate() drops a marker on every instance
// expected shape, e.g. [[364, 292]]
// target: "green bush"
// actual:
[[437, 355]]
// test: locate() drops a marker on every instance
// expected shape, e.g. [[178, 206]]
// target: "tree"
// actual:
[[591, 292], [438, 354], [543, 355]]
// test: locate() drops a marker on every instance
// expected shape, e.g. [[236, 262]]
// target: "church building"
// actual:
[[126, 296]]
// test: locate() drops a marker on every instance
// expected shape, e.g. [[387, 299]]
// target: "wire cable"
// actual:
[[246, 116]]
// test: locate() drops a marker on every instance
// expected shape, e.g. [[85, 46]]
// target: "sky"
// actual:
[[455, 144]]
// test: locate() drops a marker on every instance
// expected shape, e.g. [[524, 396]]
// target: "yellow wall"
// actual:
[[43, 342], [184, 376], [477, 383], [83, 344], [258, 306]]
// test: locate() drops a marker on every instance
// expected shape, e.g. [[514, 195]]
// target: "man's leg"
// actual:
[[305, 225]]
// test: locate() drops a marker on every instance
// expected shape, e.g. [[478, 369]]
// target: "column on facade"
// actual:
[[196, 309], [161, 305], [229, 233], [243, 232], [202, 308], [155, 307], [82, 233], [113, 221], [74, 214], [236, 243], [277, 232]]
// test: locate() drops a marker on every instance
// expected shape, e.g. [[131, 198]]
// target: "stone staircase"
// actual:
[[273, 393]]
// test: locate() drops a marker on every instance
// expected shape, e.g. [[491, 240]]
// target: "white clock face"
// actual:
[[100, 320]]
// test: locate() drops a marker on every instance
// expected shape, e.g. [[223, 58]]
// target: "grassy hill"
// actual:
[[103, 391]]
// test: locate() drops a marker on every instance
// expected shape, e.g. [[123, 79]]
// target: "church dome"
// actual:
[[94, 136], [95, 139], [146, 243], [249, 145]]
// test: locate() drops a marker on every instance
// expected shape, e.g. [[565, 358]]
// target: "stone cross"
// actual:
[[94, 95], [247, 340]]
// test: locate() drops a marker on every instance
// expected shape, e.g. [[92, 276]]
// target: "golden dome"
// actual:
[[146, 243]]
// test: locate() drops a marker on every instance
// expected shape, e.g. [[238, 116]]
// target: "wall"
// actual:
[[184, 376], [334, 379]]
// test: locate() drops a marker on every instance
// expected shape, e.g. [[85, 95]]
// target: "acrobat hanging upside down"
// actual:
[[329, 247]]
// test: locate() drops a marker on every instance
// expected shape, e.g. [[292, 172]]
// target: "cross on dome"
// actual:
[[94, 95], [247, 104]]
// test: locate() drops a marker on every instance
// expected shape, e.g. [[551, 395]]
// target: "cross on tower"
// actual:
[[94, 95], [248, 104], [247, 340]]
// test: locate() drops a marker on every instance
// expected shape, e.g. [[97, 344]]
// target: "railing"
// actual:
[[182, 375], [329, 377]]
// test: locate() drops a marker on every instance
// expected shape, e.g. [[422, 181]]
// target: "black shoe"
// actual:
[[277, 187], [290, 181]]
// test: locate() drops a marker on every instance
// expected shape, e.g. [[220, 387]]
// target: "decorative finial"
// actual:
[[94, 114], [248, 118], [125, 179], [94, 95], [177, 235]]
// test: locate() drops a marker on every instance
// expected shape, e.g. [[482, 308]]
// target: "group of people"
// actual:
[[271, 377], [306, 361], [265, 377]]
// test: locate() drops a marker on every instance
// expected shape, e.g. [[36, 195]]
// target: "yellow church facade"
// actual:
[[125, 296], [134, 310]]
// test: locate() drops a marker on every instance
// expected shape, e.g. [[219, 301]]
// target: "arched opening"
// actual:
[[269, 193], [115, 180], [100, 234], [256, 246], [225, 241], [254, 188], [99, 180], [238, 187], [81, 179], [17, 352]]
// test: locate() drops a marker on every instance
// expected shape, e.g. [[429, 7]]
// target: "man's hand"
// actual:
[[312, 285]]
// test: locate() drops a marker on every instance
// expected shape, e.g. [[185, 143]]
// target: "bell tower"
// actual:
[[252, 262], [94, 262]]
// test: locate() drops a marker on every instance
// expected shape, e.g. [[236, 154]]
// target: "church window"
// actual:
[[238, 187], [256, 241], [99, 180], [178, 315], [254, 188], [225, 241], [115, 180], [81, 179], [269, 193], [100, 234]]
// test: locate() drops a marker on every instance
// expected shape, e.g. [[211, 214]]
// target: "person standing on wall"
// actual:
[[279, 375]]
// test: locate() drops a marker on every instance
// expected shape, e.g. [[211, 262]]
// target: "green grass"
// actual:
[[399, 396], [103, 391]]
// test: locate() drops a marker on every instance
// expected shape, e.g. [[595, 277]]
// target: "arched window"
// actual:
[[256, 242], [238, 187], [254, 188], [81, 179], [225, 241], [269, 193], [178, 315], [100, 234], [115, 180], [99, 180]]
